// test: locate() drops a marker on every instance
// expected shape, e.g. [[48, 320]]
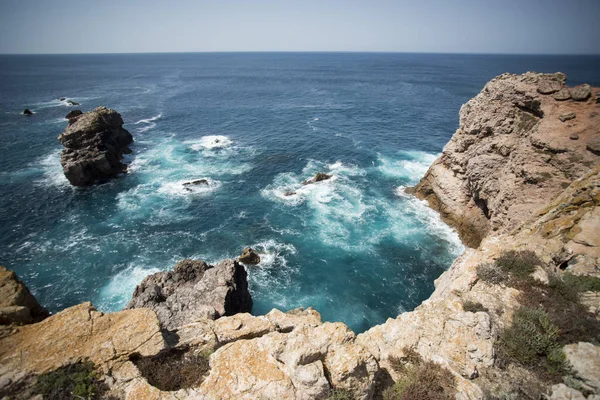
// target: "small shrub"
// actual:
[[518, 264], [490, 273], [419, 379], [340, 394], [174, 370], [533, 341], [582, 283], [473, 306], [74, 381]]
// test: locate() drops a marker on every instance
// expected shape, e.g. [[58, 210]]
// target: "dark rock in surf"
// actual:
[[249, 256], [94, 146], [321, 176], [27, 112], [290, 193], [72, 103], [72, 116], [194, 290]]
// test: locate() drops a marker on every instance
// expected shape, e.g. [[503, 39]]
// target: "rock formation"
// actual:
[[94, 144], [321, 176], [27, 112], [510, 154], [17, 304], [490, 181], [249, 256], [72, 116], [194, 290]]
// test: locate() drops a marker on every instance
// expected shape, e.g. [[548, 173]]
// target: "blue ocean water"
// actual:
[[256, 125]]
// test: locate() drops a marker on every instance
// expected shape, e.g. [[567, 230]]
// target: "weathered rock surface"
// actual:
[[249, 256], [17, 304], [72, 116], [581, 93], [321, 176], [567, 116], [94, 146], [585, 359], [194, 290], [509, 155]]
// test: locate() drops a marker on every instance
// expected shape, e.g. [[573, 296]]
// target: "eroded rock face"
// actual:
[[510, 155], [94, 144], [249, 256], [194, 290], [17, 304]]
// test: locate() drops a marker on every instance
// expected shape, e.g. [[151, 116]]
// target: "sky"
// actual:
[[446, 26]]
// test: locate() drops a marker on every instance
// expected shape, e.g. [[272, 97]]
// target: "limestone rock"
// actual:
[[547, 86], [563, 392], [249, 256], [594, 146], [585, 359], [94, 146], [194, 290], [567, 116], [509, 156], [581, 92], [562, 95], [17, 304]]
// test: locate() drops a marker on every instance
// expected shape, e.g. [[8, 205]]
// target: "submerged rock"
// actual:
[[321, 176], [249, 256], [289, 193], [198, 182], [17, 304], [94, 146], [27, 111], [194, 290]]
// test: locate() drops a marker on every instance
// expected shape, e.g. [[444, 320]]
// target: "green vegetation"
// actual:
[[518, 264], [582, 283], [472, 306], [419, 379], [174, 370], [74, 381], [340, 394], [490, 273]]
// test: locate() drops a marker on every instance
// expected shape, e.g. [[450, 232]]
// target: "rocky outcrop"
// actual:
[[94, 146], [72, 116], [249, 256], [17, 304], [194, 290], [321, 176], [510, 154], [27, 112]]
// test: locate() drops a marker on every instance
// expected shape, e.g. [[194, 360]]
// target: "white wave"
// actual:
[[209, 142], [179, 188], [412, 165], [148, 120], [117, 292], [273, 253], [147, 127], [52, 172]]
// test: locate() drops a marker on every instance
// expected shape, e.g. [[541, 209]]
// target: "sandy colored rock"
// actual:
[[17, 304], [581, 92], [562, 95], [509, 156], [585, 359]]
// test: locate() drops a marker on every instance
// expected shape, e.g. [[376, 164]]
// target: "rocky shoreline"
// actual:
[[520, 180]]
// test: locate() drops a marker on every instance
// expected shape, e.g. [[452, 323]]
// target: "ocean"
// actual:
[[255, 125]]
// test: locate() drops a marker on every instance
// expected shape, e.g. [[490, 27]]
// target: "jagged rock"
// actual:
[[27, 112], [562, 95], [194, 290], [249, 256], [567, 116], [585, 360], [17, 304], [72, 103], [320, 176], [581, 92], [197, 182], [94, 146], [509, 155], [73, 115], [584, 265]]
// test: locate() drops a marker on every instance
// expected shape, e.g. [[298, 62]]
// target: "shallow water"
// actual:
[[255, 126]]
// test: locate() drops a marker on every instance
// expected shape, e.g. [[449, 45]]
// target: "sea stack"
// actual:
[[94, 146]]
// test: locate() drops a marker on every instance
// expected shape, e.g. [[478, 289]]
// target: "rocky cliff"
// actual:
[[517, 317], [94, 144]]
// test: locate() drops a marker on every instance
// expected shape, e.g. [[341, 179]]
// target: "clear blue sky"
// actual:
[[465, 26]]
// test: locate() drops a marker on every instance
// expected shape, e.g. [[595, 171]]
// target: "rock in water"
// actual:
[[94, 146], [27, 111], [249, 256], [321, 176], [72, 103], [194, 290], [17, 304], [72, 116]]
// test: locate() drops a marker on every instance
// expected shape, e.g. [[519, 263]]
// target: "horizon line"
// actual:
[[302, 52]]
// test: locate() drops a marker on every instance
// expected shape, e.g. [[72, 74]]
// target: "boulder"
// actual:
[[574, 136], [548, 86], [27, 111], [73, 115], [562, 94], [94, 146], [567, 116], [194, 290], [594, 146], [249, 256], [17, 304], [581, 92], [585, 360], [72, 103], [320, 176]]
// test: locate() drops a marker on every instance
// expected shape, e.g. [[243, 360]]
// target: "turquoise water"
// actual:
[[354, 247]]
